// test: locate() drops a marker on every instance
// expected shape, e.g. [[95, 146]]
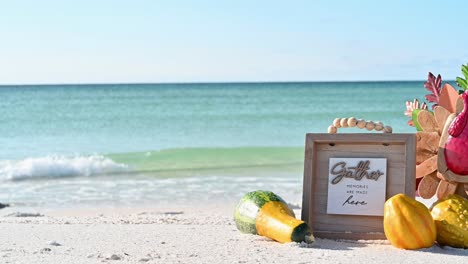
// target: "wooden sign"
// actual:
[[356, 186], [348, 177]]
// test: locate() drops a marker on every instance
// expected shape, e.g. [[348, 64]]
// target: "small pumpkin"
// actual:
[[408, 224], [451, 218], [266, 214]]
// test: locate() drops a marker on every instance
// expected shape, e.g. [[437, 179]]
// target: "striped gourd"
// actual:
[[408, 224], [266, 214]]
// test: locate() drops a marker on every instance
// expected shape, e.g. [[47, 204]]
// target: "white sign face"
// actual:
[[356, 186]]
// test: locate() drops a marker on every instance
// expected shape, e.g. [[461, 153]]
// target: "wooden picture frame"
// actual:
[[398, 149]]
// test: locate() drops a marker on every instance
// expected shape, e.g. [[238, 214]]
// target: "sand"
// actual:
[[206, 234]]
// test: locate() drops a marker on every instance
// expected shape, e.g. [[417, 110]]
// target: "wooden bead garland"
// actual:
[[359, 123]]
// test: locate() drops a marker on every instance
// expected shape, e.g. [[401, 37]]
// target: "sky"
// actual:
[[112, 41]]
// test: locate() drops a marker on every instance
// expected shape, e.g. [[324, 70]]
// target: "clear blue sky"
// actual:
[[99, 41]]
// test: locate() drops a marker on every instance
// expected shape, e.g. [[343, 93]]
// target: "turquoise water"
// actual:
[[86, 145]]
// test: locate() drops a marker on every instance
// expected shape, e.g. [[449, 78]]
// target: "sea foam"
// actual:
[[58, 167]]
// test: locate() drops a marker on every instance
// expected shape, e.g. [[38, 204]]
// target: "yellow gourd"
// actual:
[[451, 218], [408, 223], [266, 214]]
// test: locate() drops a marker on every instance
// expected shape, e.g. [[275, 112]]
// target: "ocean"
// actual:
[[164, 144]]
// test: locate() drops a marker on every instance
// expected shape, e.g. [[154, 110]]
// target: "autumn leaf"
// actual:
[[433, 85]]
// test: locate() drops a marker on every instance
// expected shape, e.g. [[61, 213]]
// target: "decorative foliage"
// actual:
[[463, 83], [433, 85], [411, 106], [430, 180]]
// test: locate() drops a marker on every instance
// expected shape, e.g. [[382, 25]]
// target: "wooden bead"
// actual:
[[379, 126], [361, 123], [332, 130], [387, 129], [344, 122], [370, 125], [336, 122], [352, 122]]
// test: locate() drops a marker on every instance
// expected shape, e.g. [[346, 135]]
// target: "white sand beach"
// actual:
[[129, 130], [178, 235]]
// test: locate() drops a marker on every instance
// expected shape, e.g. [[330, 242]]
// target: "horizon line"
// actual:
[[210, 82]]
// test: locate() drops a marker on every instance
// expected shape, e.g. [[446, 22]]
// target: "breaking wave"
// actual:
[[163, 163], [58, 167]]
